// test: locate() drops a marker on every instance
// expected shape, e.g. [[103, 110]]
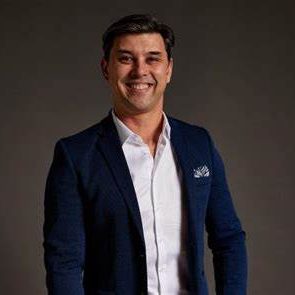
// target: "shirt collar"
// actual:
[[125, 133]]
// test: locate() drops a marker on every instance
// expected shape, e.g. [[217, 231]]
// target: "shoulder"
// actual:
[[83, 136], [79, 145], [189, 130], [196, 138]]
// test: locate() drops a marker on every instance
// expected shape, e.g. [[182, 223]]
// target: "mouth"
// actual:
[[139, 87]]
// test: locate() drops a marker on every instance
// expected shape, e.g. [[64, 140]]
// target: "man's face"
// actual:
[[138, 71]]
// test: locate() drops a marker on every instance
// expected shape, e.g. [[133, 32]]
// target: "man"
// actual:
[[127, 199]]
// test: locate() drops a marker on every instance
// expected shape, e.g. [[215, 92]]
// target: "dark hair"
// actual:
[[137, 24]]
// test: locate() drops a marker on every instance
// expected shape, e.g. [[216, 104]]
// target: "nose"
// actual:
[[140, 68]]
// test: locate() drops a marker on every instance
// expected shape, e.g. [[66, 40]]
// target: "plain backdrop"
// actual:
[[233, 74]]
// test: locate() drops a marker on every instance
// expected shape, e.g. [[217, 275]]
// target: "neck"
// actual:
[[147, 125]]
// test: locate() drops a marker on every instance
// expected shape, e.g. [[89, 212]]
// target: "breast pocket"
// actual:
[[204, 180]]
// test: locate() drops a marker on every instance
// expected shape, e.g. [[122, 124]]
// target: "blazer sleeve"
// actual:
[[226, 237], [64, 237]]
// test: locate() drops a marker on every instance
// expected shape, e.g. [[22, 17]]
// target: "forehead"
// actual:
[[137, 43]]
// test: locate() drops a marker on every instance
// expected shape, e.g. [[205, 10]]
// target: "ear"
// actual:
[[169, 70], [104, 68]]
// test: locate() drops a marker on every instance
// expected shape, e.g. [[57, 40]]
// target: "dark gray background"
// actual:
[[233, 74]]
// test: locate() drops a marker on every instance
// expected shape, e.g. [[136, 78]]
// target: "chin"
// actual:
[[136, 108], [137, 104], [146, 105]]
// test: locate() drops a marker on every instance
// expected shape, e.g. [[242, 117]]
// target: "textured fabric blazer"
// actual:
[[93, 236]]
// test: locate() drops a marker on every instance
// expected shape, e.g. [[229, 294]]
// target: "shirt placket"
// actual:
[[150, 232], [157, 204]]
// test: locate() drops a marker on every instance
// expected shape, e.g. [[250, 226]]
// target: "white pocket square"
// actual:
[[201, 171]]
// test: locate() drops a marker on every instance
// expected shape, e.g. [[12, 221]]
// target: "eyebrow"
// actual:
[[155, 52], [125, 51]]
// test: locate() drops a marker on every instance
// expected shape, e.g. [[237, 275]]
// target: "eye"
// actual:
[[125, 59], [152, 59]]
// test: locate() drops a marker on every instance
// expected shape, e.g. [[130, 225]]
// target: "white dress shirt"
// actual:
[[158, 186]]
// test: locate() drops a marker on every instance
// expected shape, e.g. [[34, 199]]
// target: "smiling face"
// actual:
[[138, 71]]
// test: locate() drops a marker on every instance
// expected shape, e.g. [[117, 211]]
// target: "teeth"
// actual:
[[139, 86]]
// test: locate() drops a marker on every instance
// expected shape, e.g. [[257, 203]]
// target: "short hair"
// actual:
[[137, 24]]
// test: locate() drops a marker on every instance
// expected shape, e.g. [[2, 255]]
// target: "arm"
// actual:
[[63, 229], [226, 238]]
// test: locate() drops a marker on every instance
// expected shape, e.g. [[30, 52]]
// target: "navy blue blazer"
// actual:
[[93, 236]]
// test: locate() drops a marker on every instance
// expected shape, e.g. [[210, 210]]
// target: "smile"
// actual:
[[139, 86]]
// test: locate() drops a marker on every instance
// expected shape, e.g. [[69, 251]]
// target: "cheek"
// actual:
[[118, 72], [122, 72], [161, 74]]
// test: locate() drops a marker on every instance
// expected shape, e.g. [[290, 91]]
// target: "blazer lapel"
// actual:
[[189, 158], [110, 145]]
